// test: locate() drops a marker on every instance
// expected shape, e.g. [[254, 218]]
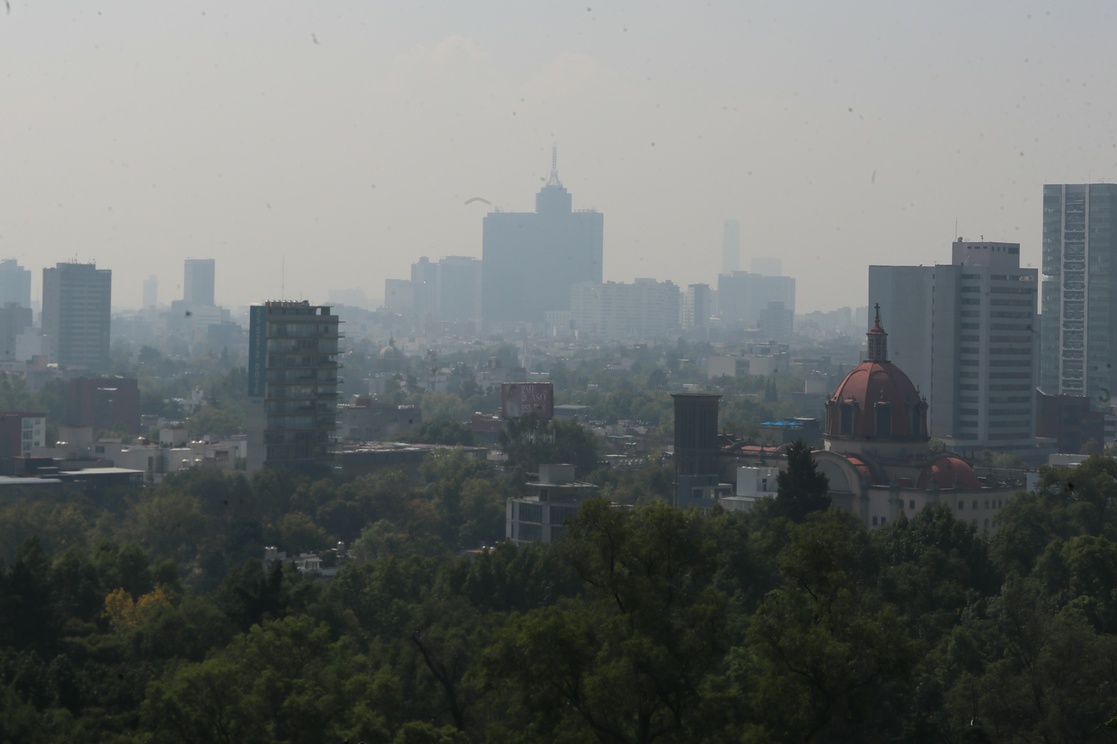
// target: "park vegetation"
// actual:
[[149, 616]]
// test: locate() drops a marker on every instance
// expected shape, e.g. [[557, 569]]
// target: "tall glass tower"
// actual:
[[1078, 335]]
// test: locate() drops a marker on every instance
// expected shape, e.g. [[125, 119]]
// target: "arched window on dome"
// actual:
[[847, 415], [882, 419], [915, 418]]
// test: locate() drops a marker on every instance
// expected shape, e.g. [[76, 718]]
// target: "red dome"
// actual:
[[876, 400], [948, 471]]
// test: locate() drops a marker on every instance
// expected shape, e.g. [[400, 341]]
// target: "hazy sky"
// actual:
[[347, 136]]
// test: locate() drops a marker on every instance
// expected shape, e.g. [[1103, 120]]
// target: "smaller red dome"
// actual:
[[948, 471]]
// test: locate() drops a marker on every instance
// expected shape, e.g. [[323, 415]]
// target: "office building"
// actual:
[[109, 404], [758, 302], [965, 331], [458, 288], [15, 320], [730, 247], [543, 516], [614, 311], [20, 431], [398, 296], [15, 283], [697, 307], [77, 300], [1078, 354], [445, 290], [198, 280], [151, 293], [292, 386], [531, 260]]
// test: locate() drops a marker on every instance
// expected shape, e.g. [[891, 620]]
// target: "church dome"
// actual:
[[876, 400]]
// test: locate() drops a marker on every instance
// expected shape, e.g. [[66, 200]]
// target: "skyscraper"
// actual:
[[531, 260], [77, 300], [15, 283], [612, 311], [966, 331], [151, 292], [1078, 354], [755, 301], [292, 387], [730, 247], [198, 281]]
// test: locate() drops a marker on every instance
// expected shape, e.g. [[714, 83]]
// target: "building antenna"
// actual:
[[283, 278], [554, 179], [956, 235]]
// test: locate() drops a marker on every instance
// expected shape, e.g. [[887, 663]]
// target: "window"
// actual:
[[883, 415], [961, 505]]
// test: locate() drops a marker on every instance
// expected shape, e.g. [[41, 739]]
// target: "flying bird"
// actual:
[[478, 199]]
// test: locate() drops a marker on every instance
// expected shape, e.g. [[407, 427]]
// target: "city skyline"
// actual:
[[359, 137]]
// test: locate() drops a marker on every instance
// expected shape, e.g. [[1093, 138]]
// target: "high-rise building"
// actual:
[[697, 306], [1078, 353], [447, 290], [398, 296], [151, 292], [198, 279], [615, 311], [531, 260], [104, 404], [458, 288], [730, 247], [15, 283], [292, 387], [755, 301], [966, 331], [15, 320], [77, 300], [424, 280]]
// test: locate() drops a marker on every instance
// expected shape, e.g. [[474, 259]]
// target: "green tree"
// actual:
[[630, 661], [213, 421], [801, 488], [824, 659]]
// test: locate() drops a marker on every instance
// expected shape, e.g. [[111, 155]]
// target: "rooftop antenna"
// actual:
[[554, 179], [283, 278]]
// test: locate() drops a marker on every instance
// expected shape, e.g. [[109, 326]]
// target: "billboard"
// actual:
[[522, 399]]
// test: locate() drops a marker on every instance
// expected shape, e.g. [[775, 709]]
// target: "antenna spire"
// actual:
[[554, 179]]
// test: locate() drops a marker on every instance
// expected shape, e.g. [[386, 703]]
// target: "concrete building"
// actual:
[[15, 321], [614, 311], [292, 387], [20, 431], [1078, 354], [448, 290], [77, 303], [15, 283], [397, 296], [968, 329], [151, 293], [698, 307], [458, 289], [730, 247], [531, 260], [756, 301], [198, 281], [104, 404], [542, 516]]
